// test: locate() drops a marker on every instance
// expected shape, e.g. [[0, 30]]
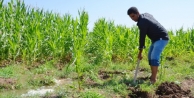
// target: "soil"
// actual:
[[188, 84], [7, 83], [53, 96], [169, 58], [106, 74], [137, 93], [172, 90], [165, 90]]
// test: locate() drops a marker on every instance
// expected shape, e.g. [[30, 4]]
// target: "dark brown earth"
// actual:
[[137, 93], [164, 90], [52, 96], [106, 74], [172, 90]]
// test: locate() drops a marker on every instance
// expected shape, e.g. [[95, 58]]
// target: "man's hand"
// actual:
[[140, 54]]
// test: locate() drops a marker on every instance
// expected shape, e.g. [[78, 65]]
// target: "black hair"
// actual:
[[132, 10]]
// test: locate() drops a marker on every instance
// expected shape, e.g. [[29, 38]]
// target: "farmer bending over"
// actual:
[[149, 26]]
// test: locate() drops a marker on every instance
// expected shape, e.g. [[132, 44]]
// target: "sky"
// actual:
[[172, 14]]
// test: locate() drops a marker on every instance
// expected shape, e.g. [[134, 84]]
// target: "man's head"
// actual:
[[133, 13]]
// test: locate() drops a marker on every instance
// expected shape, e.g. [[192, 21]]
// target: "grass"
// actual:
[[93, 85]]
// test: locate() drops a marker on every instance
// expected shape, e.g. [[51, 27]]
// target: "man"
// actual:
[[149, 26]]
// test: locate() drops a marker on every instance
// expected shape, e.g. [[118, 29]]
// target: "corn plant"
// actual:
[[80, 31]]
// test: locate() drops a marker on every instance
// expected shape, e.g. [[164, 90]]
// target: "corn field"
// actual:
[[31, 34]]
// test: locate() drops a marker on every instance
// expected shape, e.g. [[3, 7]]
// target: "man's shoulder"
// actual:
[[144, 18], [145, 15]]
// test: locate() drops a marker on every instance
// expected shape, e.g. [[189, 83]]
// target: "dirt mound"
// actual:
[[171, 90], [164, 90], [137, 93]]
